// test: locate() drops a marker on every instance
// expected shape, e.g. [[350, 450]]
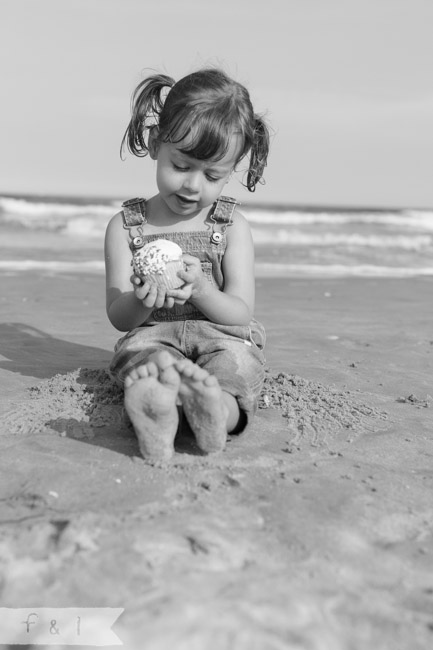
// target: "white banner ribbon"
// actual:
[[59, 625]]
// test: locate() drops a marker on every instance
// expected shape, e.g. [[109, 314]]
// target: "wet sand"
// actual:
[[312, 531]]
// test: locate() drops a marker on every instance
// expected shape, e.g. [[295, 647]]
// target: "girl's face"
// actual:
[[188, 185]]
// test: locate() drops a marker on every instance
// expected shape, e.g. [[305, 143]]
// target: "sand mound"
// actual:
[[314, 410], [80, 401], [74, 404]]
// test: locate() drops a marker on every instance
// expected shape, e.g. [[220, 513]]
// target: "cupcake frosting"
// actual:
[[153, 257]]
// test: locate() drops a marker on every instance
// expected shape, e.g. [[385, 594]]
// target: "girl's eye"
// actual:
[[180, 169], [212, 179]]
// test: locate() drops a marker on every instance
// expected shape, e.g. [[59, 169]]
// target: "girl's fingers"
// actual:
[[149, 296], [136, 280], [184, 275], [189, 259], [191, 263], [184, 293], [142, 290], [160, 297], [156, 297]]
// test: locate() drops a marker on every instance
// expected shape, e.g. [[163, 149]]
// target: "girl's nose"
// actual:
[[192, 182]]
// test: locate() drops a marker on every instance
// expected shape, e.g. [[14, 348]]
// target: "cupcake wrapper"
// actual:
[[169, 279]]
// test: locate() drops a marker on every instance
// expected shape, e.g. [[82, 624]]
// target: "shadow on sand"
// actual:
[[30, 351]]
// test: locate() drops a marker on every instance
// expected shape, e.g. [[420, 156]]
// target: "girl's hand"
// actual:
[[181, 295], [193, 275], [152, 297]]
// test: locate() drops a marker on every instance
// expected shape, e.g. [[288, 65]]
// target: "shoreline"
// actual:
[[287, 535]]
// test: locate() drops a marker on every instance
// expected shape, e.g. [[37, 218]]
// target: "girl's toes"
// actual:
[[185, 367], [143, 372], [201, 374], [131, 377], [170, 378], [150, 369], [165, 360], [128, 381], [210, 381], [180, 364]]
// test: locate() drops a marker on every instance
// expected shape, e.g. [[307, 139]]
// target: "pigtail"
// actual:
[[258, 154], [146, 106]]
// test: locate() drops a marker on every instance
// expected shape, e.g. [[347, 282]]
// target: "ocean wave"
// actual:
[[83, 216], [32, 208], [56, 215], [52, 266], [405, 219], [263, 269], [287, 237]]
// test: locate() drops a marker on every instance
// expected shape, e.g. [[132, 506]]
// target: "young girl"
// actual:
[[198, 347]]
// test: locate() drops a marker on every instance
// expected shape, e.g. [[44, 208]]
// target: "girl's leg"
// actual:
[[150, 400]]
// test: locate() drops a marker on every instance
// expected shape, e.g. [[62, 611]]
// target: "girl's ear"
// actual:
[[153, 142]]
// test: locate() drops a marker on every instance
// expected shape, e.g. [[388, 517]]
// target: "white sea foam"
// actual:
[[411, 219], [34, 209], [87, 227], [81, 218], [52, 266], [290, 237], [263, 269]]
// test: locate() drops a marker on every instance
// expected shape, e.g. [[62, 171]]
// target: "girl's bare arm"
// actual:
[[124, 310]]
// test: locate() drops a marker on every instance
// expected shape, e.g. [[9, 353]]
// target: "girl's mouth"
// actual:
[[185, 201]]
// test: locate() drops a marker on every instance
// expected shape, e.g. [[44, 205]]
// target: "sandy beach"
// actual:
[[312, 531]]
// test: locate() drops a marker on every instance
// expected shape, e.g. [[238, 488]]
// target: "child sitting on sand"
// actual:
[[197, 347]]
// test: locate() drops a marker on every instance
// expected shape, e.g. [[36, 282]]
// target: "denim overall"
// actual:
[[233, 353]]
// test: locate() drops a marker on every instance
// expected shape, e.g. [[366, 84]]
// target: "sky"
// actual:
[[344, 84]]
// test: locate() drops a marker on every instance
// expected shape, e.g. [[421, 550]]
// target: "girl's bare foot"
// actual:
[[203, 405], [150, 401]]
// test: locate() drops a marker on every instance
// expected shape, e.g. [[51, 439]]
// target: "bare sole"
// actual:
[[150, 400], [203, 406]]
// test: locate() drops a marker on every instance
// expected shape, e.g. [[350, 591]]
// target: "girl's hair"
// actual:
[[206, 105]]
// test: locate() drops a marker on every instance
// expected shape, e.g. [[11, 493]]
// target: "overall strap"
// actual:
[[134, 216], [222, 217]]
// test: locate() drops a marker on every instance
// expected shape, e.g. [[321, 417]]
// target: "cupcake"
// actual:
[[158, 263]]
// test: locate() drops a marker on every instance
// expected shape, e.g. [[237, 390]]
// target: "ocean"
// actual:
[[65, 235]]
